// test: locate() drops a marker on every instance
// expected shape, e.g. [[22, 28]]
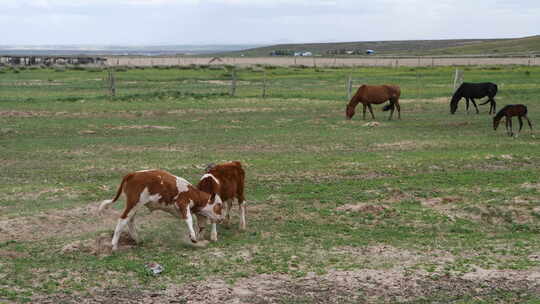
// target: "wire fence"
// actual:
[[77, 83]]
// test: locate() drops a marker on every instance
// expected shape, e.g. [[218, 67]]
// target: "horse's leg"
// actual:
[[530, 125], [398, 109], [510, 124], [475, 106], [520, 124], [492, 105], [391, 110], [506, 124], [364, 111], [371, 111], [467, 104]]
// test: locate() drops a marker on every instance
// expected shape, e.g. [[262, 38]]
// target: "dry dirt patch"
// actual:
[[405, 145], [363, 208], [529, 186], [439, 100], [138, 127], [354, 286], [436, 202], [70, 222]]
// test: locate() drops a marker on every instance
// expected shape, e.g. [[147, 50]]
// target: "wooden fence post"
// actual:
[[349, 87], [458, 78], [112, 83], [264, 85], [417, 85], [233, 81]]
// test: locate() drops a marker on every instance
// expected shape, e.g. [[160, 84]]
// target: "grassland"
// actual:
[[515, 46], [430, 208]]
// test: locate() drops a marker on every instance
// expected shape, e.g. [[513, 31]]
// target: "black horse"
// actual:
[[475, 90]]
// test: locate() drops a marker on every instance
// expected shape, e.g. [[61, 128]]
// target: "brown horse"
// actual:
[[375, 94], [508, 112]]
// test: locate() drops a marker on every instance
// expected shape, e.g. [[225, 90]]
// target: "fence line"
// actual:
[[323, 61]]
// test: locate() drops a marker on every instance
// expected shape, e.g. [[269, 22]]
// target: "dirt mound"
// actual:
[[101, 245]]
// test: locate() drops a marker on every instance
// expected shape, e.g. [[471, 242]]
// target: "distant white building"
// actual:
[[303, 54]]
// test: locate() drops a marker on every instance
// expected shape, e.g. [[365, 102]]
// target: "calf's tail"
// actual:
[[106, 203]]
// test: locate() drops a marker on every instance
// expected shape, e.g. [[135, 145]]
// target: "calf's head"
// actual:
[[214, 209]]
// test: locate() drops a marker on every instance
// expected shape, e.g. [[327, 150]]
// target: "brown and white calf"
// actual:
[[227, 181], [160, 190]]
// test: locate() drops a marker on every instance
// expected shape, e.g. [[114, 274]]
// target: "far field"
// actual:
[[441, 47], [431, 208]]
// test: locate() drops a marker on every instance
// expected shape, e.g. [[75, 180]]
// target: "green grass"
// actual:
[[65, 144]]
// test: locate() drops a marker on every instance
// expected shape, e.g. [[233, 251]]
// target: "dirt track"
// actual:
[[322, 61]]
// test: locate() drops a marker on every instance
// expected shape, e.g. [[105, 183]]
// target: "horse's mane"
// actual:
[[457, 94], [356, 97], [501, 112]]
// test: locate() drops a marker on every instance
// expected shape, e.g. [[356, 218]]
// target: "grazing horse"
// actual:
[[475, 90], [375, 94], [508, 112]]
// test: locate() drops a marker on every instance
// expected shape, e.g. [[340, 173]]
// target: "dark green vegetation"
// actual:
[[430, 208], [516, 46]]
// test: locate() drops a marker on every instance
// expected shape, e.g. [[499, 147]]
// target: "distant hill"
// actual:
[[142, 50], [527, 45]]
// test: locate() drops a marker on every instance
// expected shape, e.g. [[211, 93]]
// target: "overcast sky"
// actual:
[[169, 22]]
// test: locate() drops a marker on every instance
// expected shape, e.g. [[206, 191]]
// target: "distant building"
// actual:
[[307, 54]]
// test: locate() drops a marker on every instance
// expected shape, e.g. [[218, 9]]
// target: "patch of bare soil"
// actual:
[[529, 186], [100, 245], [459, 124], [67, 223], [354, 286], [386, 256], [363, 208], [23, 113], [443, 100], [12, 254], [224, 82], [36, 82], [436, 202], [396, 196], [371, 124], [405, 145], [138, 127]]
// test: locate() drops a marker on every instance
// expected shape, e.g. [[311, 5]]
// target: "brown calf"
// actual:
[[227, 181], [158, 189]]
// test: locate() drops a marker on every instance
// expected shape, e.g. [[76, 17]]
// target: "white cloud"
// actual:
[[239, 21]]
